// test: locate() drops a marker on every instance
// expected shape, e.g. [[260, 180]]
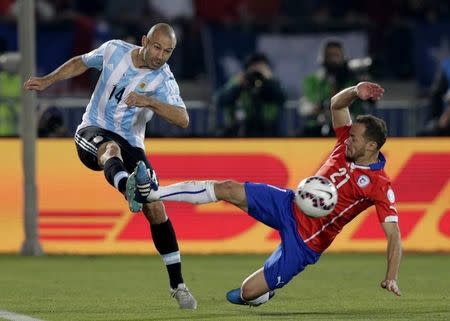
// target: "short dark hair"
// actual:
[[333, 43], [256, 58], [376, 129], [329, 43]]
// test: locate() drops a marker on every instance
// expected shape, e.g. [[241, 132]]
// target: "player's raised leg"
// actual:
[[194, 192], [110, 159]]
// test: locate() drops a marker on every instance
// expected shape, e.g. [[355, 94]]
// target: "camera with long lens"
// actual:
[[254, 81]]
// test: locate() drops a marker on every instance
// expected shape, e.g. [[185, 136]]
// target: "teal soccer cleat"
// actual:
[[234, 296], [133, 205], [146, 182]]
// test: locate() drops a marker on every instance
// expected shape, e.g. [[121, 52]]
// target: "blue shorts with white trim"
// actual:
[[273, 207]]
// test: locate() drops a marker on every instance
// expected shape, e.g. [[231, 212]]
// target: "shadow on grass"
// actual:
[[376, 314], [298, 313], [189, 315]]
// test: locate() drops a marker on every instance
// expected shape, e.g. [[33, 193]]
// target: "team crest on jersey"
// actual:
[[363, 181], [97, 139], [390, 195], [142, 85]]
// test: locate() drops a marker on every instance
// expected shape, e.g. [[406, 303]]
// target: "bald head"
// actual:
[[162, 29], [157, 46]]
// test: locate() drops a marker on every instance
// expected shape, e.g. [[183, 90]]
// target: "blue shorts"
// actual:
[[273, 207]]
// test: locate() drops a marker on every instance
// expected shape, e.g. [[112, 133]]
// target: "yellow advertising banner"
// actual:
[[79, 212]]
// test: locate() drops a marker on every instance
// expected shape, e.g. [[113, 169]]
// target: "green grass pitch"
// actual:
[[135, 288]]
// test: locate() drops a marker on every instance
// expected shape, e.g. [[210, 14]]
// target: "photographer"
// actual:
[[438, 122], [252, 101], [334, 74]]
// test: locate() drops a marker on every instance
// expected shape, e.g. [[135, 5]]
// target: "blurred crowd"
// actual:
[[250, 102]]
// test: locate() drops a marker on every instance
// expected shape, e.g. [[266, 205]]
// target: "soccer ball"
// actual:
[[316, 196]]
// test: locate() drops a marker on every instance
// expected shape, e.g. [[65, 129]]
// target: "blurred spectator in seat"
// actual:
[[10, 90], [5, 7], [334, 74], [44, 9], [129, 16], [187, 60], [252, 101], [51, 124], [235, 12], [438, 123], [91, 8], [174, 9]]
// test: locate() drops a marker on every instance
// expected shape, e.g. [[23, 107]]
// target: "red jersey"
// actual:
[[359, 187]]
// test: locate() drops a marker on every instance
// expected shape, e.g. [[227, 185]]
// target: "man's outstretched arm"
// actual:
[[394, 255], [340, 102], [71, 68]]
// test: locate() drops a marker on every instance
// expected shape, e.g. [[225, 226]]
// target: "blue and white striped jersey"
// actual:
[[119, 77]]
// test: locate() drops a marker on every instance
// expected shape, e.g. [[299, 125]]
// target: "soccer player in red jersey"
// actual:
[[355, 166]]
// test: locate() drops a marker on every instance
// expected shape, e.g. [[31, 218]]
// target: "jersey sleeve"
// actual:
[[94, 59], [169, 93], [385, 204], [342, 133]]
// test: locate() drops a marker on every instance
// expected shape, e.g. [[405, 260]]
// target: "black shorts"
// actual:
[[89, 139]]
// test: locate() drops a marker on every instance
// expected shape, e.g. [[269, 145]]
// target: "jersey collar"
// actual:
[[374, 166]]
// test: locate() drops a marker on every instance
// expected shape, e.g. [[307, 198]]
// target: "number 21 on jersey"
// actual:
[[341, 175]]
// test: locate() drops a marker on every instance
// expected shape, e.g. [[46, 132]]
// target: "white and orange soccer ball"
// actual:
[[316, 196]]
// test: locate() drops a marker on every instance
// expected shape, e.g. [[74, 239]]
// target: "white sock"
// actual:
[[259, 300], [171, 258], [194, 192], [118, 177]]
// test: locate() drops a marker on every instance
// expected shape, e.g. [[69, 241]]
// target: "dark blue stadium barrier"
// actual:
[[54, 44], [401, 121]]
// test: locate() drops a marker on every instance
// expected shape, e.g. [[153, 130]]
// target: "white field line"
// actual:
[[11, 316]]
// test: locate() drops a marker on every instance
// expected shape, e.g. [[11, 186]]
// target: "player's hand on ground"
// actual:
[[135, 100], [369, 90], [36, 83], [391, 286]]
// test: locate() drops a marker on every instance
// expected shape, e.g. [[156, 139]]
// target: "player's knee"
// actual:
[[107, 151], [112, 149], [155, 212], [248, 292]]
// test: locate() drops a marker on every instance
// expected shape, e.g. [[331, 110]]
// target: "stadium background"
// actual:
[[80, 214]]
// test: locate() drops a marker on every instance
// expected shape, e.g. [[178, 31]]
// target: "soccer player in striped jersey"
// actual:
[[355, 166], [135, 84]]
